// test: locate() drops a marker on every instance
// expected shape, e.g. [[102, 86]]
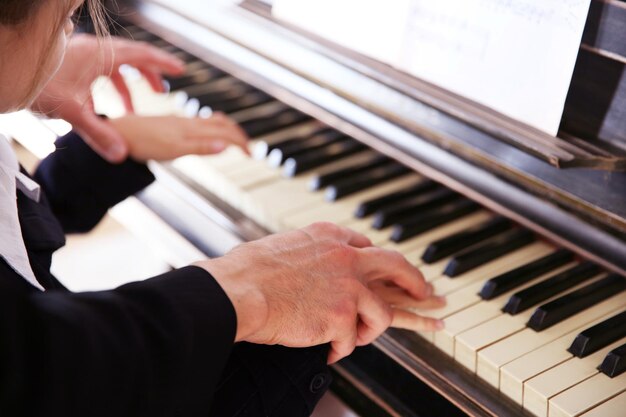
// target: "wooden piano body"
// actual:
[[571, 191]]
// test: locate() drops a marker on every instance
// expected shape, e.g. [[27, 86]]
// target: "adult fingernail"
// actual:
[[428, 291], [116, 152], [439, 325]]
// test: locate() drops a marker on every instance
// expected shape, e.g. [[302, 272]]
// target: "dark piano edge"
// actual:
[[563, 151], [440, 372], [566, 230], [476, 116]]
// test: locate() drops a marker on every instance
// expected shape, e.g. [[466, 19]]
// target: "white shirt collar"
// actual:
[[12, 247]]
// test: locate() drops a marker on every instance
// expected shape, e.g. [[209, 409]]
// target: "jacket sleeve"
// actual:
[[81, 186], [152, 348]]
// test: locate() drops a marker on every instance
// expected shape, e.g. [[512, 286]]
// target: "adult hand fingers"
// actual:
[[398, 297], [327, 230], [374, 317], [381, 264], [120, 85], [403, 319], [98, 133], [342, 347]]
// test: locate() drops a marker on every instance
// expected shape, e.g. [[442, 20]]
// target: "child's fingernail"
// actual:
[[218, 145]]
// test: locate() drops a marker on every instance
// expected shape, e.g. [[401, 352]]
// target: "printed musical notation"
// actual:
[[514, 56], [566, 13]]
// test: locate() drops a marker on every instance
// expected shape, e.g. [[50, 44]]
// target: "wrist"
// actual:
[[247, 299]]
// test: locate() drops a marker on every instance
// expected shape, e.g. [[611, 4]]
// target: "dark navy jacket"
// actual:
[[152, 348]]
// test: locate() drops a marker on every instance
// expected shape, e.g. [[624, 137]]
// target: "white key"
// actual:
[[364, 226], [343, 210], [448, 229], [231, 159], [191, 108], [470, 342], [271, 203], [482, 311], [211, 177], [539, 390], [539, 355], [445, 285], [615, 407], [430, 271], [459, 296], [455, 301], [587, 395], [302, 130], [284, 198], [205, 112], [232, 175], [253, 175]]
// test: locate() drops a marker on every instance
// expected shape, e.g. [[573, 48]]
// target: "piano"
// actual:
[[524, 234]]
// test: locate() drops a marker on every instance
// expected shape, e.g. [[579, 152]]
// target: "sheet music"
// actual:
[[514, 56]]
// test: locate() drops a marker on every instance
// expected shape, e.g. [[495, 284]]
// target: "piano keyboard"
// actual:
[[545, 328]]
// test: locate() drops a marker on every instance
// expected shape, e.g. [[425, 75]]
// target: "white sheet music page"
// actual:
[[514, 56]]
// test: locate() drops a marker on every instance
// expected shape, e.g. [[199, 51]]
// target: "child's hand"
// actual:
[[168, 137]]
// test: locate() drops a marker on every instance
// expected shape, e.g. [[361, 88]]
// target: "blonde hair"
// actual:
[[20, 14]]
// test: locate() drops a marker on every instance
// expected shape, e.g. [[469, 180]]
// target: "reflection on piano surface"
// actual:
[[530, 326]]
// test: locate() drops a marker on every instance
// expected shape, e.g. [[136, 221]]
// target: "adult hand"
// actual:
[[68, 94], [310, 286], [168, 137]]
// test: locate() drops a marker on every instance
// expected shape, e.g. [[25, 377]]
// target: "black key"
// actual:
[[230, 92], [311, 160], [614, 364], [365, 180], [188, 58], [368, 207], [252, 99], [488, 251], [566, 306], [278, 120], [526, 298], [599, 336], [408, 209], [519, 276], [179, 53], [450, 245], [288, 149], [430, 219], [192, 78], [322, 180], [263, 148]]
